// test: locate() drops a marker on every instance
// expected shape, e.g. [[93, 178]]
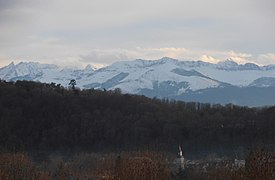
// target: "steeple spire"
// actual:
[[180, 152], [181, 158]]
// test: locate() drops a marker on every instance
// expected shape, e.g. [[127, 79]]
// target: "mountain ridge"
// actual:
[[163, 78]]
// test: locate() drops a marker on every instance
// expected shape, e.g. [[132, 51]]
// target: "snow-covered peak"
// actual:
[[141, 74], [250, 66], [9, 67], [196, 64], [228, 65], [140, 63], [8, 71], [269, 67], [165, 77], [36, 65], [24, 70], [168, 60], [32, 70], [89, 67], [264, 82], [11, 64]]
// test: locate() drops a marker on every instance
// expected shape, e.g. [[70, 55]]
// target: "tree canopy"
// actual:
[[49, 116]]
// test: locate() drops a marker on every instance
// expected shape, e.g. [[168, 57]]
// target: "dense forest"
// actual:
[[39, 116]]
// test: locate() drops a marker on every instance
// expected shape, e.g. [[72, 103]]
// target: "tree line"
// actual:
[[44, 116]]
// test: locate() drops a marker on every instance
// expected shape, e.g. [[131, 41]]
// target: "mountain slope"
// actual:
[[164, 78]]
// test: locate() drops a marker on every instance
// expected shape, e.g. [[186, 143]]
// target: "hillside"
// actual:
[[51, 117]]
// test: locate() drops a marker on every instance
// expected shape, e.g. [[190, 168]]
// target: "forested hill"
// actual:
[[50, 117]]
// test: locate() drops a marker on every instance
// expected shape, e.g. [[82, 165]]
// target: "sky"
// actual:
[[100, 32]]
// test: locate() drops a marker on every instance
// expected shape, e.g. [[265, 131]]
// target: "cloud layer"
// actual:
[[101, 31], [108, 56]]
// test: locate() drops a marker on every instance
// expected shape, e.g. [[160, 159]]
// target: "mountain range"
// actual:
[[225, 82]]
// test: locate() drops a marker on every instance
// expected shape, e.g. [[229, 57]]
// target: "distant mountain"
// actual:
[[225, 82], [43, 72]]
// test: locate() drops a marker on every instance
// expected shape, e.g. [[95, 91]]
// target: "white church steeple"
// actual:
[[180, 152], [181, 158]]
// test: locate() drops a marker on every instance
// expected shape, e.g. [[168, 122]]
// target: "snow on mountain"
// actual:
[[228, 65], [27, 71], [42, 72], [132, 76], [8, 72], [236, 74], [264, 82], [163, 76]]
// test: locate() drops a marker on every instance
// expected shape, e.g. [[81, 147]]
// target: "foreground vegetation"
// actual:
[[130, 165]]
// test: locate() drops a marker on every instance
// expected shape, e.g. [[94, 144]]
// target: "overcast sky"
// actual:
[[78, 32]]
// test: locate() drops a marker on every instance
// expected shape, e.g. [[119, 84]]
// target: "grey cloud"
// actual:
[[108, 56], [4, 4], [104, 56], [69, 28]]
